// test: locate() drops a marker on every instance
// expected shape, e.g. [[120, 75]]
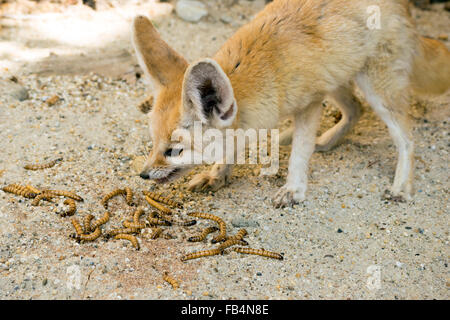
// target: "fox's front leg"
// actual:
[[212, 180], [303, 143]]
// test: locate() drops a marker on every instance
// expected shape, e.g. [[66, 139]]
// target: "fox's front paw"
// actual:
[[287, 196], [206, 182]]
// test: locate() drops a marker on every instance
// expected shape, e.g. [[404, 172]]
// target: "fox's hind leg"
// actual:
[[392, 109], [351, 110]]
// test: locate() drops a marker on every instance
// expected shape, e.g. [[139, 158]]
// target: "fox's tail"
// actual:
[[431, 70]]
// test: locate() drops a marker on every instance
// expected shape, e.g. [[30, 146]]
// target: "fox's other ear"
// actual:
[[159, 61], [208, 94], [146, 105]]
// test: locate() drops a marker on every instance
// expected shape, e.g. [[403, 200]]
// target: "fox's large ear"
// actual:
[[208, 94], [156, 58]]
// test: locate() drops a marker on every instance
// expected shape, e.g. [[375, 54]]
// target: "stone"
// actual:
[[190, 10], [14, 90]]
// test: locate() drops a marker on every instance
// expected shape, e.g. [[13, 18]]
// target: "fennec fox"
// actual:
[[283, 63]]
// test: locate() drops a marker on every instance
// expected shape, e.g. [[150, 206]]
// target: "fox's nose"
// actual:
[[144, 175]]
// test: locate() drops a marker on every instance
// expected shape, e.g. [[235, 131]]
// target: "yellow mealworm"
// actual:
[[174, 283], [158, 197], [19, 190], [72, 208], [239, 235], [77, 226], [115, 232], [42, 165], [129, 196], [200, 254], [202, 236], [222, 233], [230, 243], [129, 237], [153, 220], [167, 236], [259, 252], [63, 193], [101, 221], [42, 196], [203, 215], [131, 224], [186, 223], [222, 226], [156, 232], [87, 223], [33, 189], [157, 205], [137, 215], [111, 195], [90, 237]]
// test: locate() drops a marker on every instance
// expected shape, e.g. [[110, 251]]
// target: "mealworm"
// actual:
[[87, 223], [222, 233], [101, 221], [239, 235], [167, 236], [63, 193], [186, 223], [111, 195], [42, 196], [131, 224], [77, 226], [222, 226], [200, 254], [174, 283], [157, 205], [153, 220], [230, 243], [42, 165], [128, 196], [33, 189], [156, 232], [202, 236], [72, 208], [115, 232], [19, 190], [129, 237], [90, 237], [205, 216], [259, 252], [137, 215], [160, 198]]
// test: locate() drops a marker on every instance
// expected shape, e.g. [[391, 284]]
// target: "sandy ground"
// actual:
[[344, 242]]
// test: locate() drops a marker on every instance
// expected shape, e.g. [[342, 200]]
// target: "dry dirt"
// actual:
[[334, 244]]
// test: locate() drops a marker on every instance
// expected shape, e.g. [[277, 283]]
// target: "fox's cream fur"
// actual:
[[283, 63]]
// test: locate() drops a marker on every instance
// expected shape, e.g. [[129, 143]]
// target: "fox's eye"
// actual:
[[173, 152]]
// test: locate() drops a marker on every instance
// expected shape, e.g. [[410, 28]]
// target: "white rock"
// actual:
[[191, 10]]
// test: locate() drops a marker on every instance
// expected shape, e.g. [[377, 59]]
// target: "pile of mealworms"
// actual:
[[91, 229]]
